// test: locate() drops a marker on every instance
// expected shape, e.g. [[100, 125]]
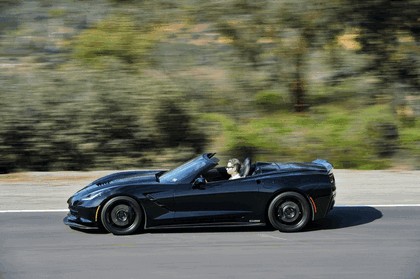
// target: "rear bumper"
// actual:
[[332, 200], [323, 205]]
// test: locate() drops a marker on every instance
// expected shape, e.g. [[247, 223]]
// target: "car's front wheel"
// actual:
[[289, 212], [121, 215]]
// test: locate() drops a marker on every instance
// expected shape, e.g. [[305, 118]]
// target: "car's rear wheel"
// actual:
[[121, 216], [289, 212]]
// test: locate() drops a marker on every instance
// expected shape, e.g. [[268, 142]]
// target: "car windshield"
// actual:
[[187, 170]]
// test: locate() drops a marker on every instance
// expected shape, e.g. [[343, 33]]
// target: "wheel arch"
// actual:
[[102, 204], [284, 190]]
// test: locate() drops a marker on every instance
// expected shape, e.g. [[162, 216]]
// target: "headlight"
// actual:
[[91, 196]]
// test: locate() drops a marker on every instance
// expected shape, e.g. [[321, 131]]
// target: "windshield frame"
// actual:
[[188, 171]]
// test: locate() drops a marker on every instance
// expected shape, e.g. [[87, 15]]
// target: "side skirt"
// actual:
[[209, 225]]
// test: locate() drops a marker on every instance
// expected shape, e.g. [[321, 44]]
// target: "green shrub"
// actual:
[[116, 37], [271, 101], [383, 137]]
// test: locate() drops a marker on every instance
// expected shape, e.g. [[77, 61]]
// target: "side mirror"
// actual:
[[199, 183]]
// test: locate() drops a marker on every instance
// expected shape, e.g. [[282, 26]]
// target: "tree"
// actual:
[[283, 31], [389, 32], [176, 128]]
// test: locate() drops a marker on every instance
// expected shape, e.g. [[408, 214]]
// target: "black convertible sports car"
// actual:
[[199, 194]]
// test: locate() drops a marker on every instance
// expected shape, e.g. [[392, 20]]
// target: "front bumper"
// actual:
[[82, 217], [71, 221]]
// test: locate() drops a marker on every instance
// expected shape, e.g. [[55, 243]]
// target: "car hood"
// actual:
[[137, 177], [119, 179]]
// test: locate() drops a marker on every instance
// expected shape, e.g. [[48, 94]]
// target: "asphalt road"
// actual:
[[353, 242], [356, 241]]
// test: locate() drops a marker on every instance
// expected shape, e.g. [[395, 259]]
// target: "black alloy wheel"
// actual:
[[121, 216], [289, 212]]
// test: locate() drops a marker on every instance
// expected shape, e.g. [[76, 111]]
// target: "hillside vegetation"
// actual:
[[127, 84]]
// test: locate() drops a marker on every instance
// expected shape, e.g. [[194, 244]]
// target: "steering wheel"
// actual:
[[246, 166]]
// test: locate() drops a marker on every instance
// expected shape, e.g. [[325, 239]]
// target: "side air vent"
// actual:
[[103, 183]]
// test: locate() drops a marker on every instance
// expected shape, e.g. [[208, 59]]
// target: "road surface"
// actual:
[[374, 232]]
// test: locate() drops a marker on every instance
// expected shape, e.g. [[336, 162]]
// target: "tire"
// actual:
[[121, 216], [289, 212]]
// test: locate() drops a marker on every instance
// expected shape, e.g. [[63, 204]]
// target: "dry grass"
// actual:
[[52, 178]]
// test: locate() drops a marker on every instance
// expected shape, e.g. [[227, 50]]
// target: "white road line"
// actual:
[[34, 211], [338, 206], [377, 205], [263, 235]]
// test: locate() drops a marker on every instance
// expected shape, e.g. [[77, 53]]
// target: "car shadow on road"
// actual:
[[338, 218], [346, 216]]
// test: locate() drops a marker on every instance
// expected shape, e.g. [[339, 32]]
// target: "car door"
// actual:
[[229, 201]]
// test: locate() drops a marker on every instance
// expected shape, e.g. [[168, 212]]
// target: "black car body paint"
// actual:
[[171, 199]]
